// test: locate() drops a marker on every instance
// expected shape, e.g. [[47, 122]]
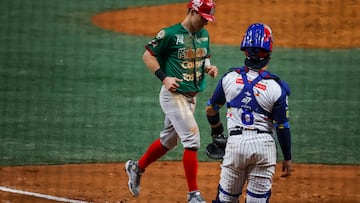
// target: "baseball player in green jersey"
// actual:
[[179, 56]]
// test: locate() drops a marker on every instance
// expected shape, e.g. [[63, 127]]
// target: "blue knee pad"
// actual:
[[218, 201], [265, 196], [221, 190]]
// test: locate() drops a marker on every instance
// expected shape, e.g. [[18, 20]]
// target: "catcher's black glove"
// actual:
[[216, 149]]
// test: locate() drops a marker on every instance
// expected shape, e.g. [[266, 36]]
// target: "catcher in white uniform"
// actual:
[[257, 106]]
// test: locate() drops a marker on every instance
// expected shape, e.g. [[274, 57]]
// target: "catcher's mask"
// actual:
[[256, 58], [257, 45]]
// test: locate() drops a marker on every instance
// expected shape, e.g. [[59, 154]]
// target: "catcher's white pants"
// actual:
[[248, 157]]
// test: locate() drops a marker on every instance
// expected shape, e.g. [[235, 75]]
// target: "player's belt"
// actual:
[[239, 131], [188, 94]]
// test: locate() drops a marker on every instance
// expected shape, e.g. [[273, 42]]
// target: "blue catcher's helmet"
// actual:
[[257, 45]]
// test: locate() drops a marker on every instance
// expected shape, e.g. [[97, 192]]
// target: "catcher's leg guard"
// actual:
[[260, 198], [225, 196]]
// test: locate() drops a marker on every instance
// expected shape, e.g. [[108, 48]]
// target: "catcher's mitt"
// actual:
[[216, 149]]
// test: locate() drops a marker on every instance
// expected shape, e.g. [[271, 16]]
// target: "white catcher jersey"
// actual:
[[257, 105]]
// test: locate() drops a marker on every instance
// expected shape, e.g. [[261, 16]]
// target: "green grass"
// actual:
[[71, 92], [325, 109]]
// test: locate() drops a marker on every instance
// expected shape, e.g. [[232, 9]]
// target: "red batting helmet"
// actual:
[[206, 8]]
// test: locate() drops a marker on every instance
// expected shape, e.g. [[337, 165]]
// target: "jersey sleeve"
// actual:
[[159, 44], [281, 119], [280, 112], [217, 99]]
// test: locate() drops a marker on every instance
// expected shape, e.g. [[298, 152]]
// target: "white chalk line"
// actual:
[[49, 197]]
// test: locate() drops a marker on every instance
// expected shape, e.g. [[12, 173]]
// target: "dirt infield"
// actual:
[[309, 23], [165, 182], [306, 24]]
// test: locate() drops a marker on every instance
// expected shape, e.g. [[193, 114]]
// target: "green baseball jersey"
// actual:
[[182, 55]]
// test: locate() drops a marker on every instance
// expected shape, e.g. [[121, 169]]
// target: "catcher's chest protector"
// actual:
[[246, 99]]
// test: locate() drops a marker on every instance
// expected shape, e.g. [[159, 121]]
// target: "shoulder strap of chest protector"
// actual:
[[246, 99]]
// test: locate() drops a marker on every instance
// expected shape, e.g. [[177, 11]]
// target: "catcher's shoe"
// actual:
[[195, 197], [134, 173]]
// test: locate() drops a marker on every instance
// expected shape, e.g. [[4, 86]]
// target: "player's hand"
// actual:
[[286, 168], [171, 83], [212, 71]]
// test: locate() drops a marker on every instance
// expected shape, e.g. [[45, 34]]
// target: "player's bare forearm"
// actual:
[[150, 61], [212, 70]]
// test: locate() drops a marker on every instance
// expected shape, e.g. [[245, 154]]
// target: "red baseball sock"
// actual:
[[154, 152], [190, 163]]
